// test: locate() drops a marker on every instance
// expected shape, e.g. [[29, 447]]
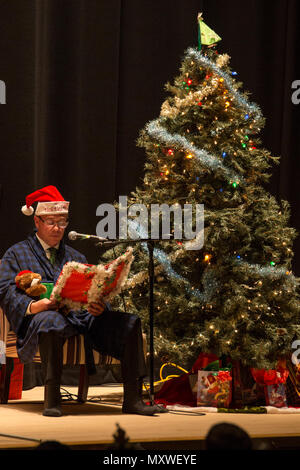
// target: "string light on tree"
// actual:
[[209, 121]]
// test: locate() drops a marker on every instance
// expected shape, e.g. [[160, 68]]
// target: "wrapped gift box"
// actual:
[[276, 395], [273, 381], [214, 388]]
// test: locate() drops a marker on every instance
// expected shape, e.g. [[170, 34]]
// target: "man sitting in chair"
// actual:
[[40, 324]]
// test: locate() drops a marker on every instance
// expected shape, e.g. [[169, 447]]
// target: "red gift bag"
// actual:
[[274, 384]]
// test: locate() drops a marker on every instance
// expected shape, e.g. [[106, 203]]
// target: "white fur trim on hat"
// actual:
[[27, 210]]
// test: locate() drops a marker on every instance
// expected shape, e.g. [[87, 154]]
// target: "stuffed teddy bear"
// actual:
[[30, 283]]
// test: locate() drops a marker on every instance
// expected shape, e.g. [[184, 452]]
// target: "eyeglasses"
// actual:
[[52, 223]]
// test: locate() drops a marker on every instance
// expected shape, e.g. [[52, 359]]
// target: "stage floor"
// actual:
[[92, 425]]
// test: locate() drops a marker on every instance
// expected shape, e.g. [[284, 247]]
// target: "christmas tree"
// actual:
[[237, 295]]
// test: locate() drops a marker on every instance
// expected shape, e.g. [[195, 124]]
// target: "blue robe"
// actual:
[[110, 330]]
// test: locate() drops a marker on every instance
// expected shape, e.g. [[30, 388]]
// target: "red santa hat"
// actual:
[[50, 202]]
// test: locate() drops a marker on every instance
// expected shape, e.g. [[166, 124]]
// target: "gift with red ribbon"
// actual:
[[270, 376], [214, 386], [274, 384]]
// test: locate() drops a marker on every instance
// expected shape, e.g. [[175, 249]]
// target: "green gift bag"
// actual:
[[49, 286]]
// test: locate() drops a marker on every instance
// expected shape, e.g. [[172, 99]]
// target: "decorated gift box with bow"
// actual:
[[274, 384], [213, 386]]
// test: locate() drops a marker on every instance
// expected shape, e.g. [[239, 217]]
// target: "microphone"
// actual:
[[74, 235]]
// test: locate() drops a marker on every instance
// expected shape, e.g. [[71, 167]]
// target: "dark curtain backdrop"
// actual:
[[84, 76]]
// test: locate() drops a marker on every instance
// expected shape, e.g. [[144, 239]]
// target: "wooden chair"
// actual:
[[73, 354]]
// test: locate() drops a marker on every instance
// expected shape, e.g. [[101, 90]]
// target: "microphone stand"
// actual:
[[150, 244]]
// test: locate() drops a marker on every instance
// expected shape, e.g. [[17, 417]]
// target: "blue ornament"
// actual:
[[224, 154], [247, 116], [221, 190], [238, 257], [234, 73]]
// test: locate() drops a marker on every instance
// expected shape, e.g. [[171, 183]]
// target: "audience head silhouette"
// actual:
[[227, 436]]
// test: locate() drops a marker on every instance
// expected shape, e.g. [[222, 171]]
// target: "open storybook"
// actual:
[[80, 284]]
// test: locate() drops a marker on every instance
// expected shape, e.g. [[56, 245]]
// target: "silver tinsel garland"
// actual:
[[209, 282], [158, 132], [203, 60], [272, 272]]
